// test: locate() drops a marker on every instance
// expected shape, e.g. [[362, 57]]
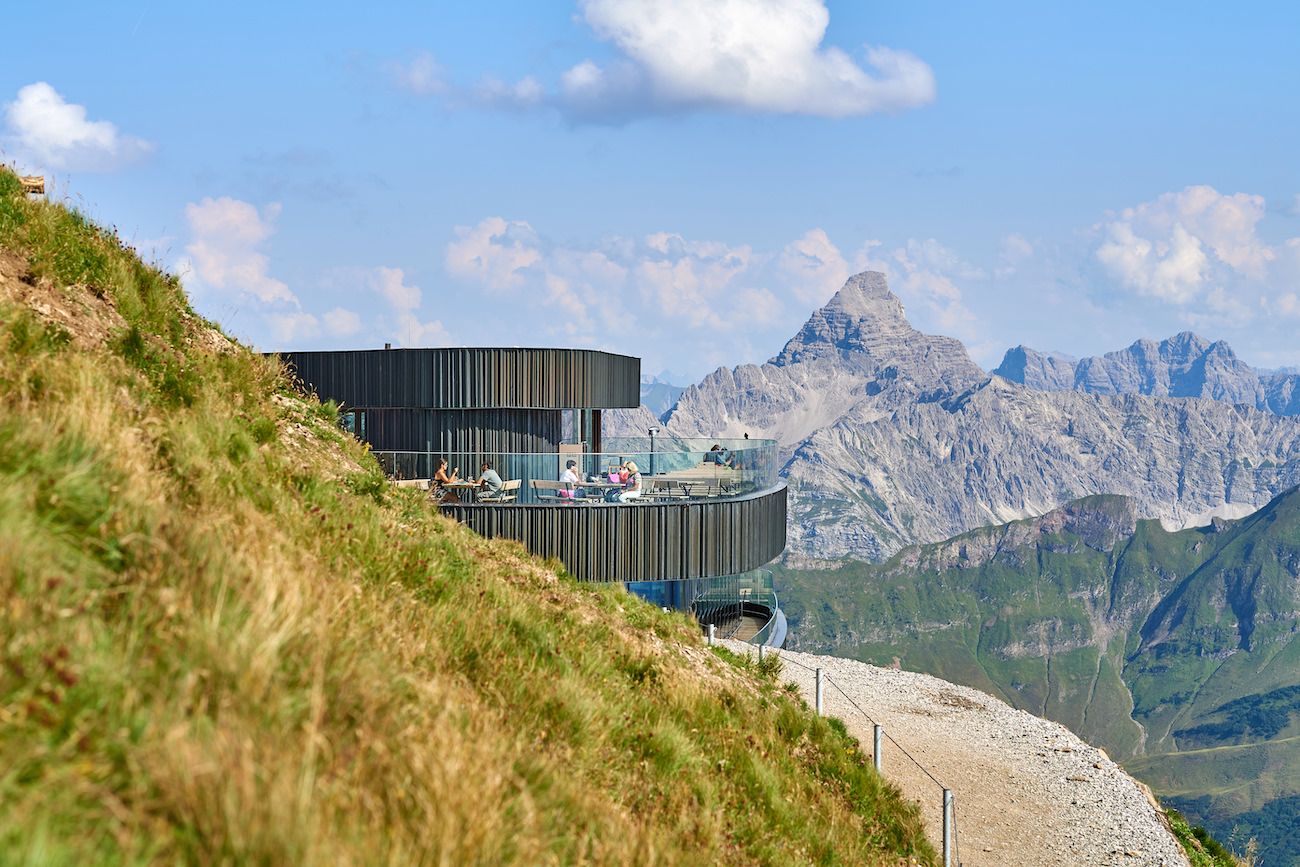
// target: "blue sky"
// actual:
[[680, 180]]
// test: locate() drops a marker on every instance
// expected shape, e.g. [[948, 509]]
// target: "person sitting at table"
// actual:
[[489, 482], [720, 456], [631, 487], [441, 480], [570, 477]]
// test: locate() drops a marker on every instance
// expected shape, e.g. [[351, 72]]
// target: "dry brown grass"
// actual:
[[225, 638]]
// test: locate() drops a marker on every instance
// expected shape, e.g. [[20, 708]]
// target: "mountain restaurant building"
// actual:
[[694, 534]]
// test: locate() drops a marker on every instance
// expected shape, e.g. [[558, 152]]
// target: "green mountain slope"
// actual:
[[1178, 652], [225, 639]]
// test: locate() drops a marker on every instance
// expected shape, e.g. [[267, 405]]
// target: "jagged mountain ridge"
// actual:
[[1177, 652], [893, 437], [1185, 365]]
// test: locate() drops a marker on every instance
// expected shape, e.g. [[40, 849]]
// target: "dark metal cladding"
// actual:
[[472, 378], [479, 431], [642, 541]]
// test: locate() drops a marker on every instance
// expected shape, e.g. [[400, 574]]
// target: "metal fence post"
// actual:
[[947, 828], [819, 692], [876, 737], [713, 634], [760, 653]]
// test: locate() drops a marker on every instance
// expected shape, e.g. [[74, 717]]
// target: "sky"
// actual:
[[681, 180]]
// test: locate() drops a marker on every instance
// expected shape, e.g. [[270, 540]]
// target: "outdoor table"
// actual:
[[603, 486], [469, 488]]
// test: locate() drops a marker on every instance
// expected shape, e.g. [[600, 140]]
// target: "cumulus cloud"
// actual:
[[48, 132], [661, 280], [1014, 251], [494, 252], [404, 299], [695, 282], [928, 273], [814, 266], [763, 57], [422, 76], [1181, 246], [739, 55], [226, 251], [340, 322]]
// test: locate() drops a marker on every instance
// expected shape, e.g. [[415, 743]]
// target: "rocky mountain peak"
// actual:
[[865, 326], [864, 307], [1046, 371]]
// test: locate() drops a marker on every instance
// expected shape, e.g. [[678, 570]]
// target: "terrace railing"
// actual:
[[672, 469]]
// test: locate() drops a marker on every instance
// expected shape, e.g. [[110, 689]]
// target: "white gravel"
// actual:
[[1026, 790]]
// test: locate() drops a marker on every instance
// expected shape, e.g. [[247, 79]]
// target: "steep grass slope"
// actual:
[[225, 639]]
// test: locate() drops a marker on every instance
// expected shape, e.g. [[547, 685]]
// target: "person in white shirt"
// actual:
[[570, 477]]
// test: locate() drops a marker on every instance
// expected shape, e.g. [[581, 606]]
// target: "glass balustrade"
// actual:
[[671, 469]]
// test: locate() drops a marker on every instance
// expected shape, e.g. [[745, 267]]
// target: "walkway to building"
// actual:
[[1028, 791]]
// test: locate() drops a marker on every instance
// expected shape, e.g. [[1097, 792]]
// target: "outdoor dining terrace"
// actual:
[[673, 470]]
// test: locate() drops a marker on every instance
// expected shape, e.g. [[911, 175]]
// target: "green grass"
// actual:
[[225, 638], [1202, 849], [1193, 635]]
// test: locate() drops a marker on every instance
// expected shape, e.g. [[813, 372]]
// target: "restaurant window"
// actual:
[[354, 422]]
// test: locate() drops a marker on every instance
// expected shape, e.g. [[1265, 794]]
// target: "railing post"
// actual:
[[819, 692], [760, 653], [713, 634], [947, 828], [876, 737]]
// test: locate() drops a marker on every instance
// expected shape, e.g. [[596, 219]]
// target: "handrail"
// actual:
[[671, 469], [952, 854]]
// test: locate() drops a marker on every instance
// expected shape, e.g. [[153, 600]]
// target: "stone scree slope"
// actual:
[[1026, 790]]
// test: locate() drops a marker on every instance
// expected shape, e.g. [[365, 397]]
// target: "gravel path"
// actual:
[[1026, 790]]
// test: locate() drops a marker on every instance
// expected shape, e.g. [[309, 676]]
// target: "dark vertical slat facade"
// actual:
[[472, 378], [642, 542], [483, 431]]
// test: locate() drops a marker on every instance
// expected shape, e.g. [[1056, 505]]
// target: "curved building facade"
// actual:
[[707, 511]]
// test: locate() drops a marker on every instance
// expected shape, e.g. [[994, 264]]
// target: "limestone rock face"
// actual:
[[1045, 371], [892, 437], [1185, 365]]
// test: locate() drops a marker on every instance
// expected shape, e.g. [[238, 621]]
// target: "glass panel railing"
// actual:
[[743, 607], [671, 469]]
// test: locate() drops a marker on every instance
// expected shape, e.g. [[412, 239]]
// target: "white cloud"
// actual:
[[524, 93], [293, 327], [927, 272], [423, 76], [405, 300], [390, 283], [225, 253], [692, 281], [1015, 250], [48, 132], [299, 325], [738, 55], [814, 266], [341, 323], [494, 252], [1180, 246]]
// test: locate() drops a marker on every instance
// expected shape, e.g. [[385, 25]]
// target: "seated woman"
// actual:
[[440, 478], [632, 487]]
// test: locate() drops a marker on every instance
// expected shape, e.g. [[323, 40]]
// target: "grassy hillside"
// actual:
[[226, 639], [1177, 652]]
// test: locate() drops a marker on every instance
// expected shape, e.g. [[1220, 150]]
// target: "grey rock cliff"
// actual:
[[892, 437], [1046, 371], [1185, 365]]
